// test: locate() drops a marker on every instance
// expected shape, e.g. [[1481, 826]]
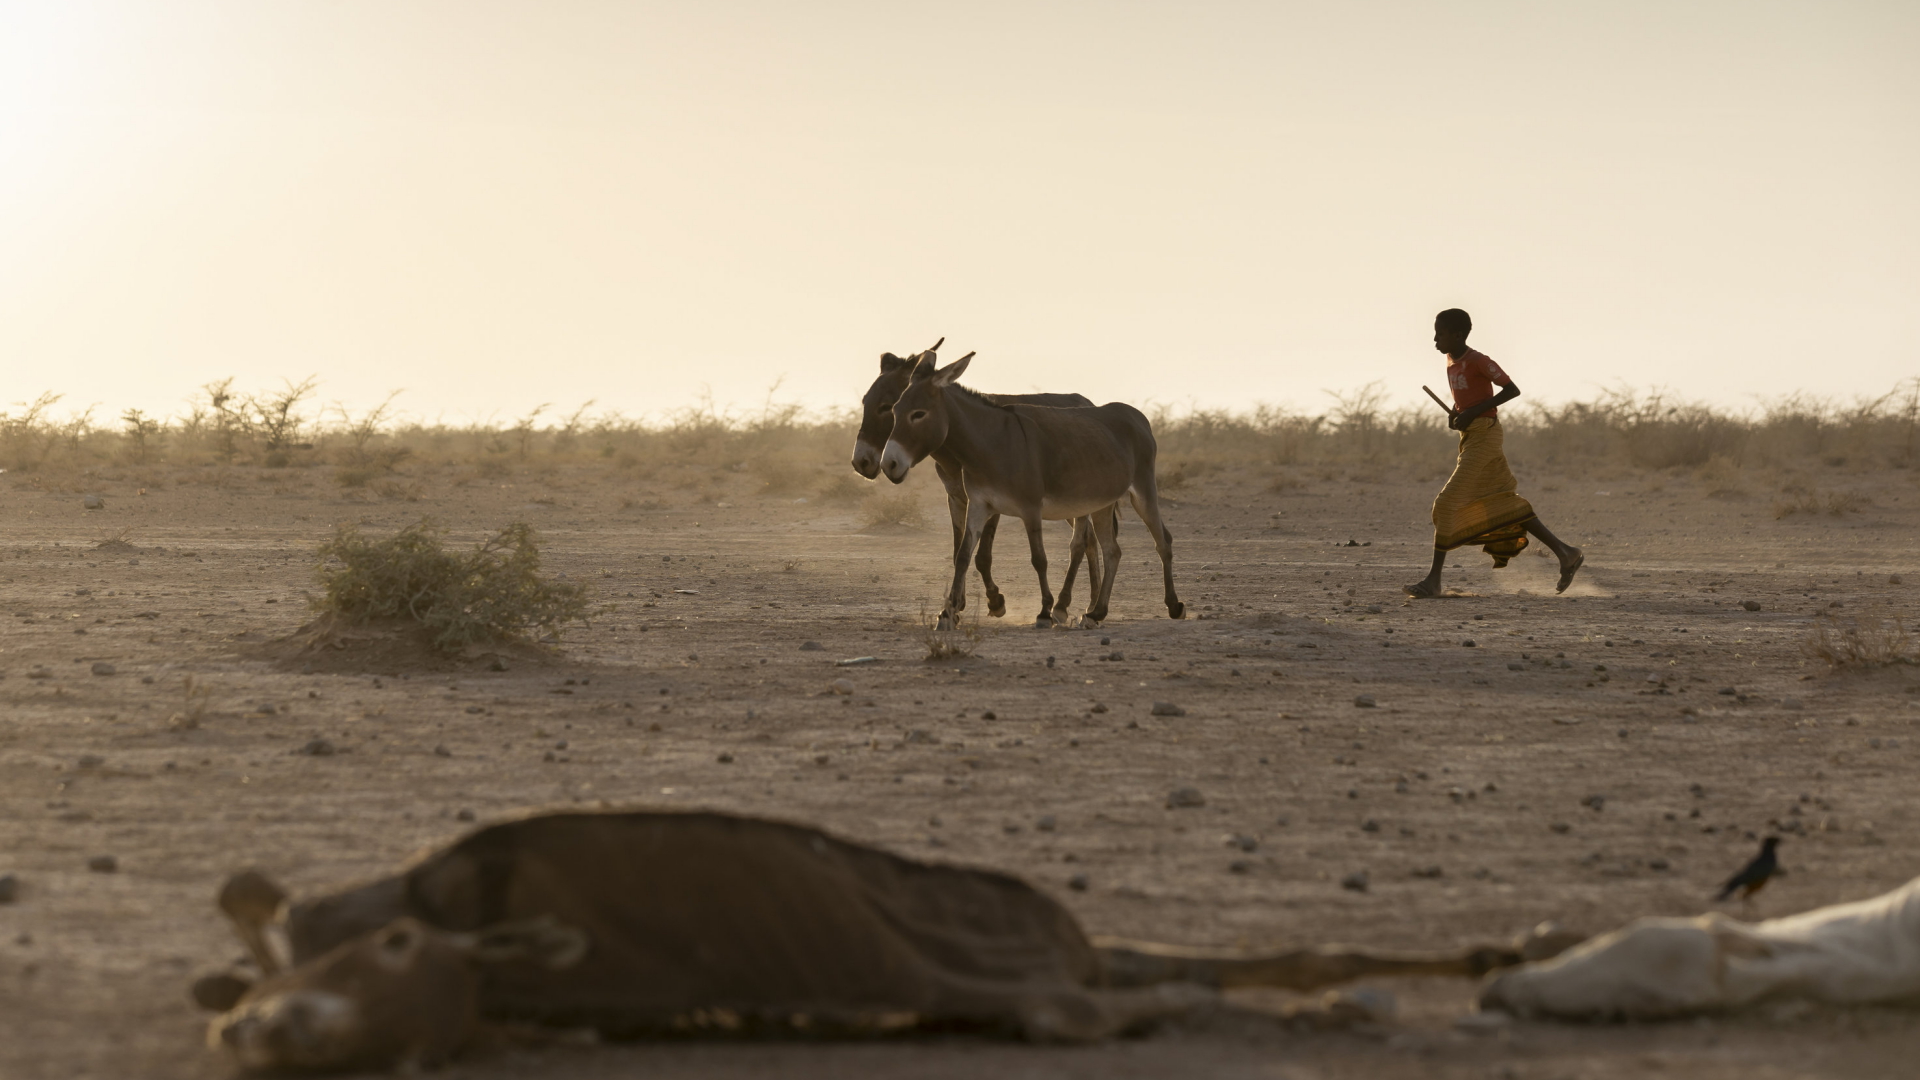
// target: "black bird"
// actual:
[[1754, 876]]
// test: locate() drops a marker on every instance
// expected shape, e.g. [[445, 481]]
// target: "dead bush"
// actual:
[[780, 475], [956, 643], [494, 592], [899, 510], [1808, 501], [843, 488], [1853, 644]]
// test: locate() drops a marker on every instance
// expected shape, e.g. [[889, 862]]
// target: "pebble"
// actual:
[[93, 502], [724, 759], [463, 815], [1355, 882], [856, 661], [9, 888], [1560, 826], [843, 687], [1167, 708], [103, 864], [1750, 605], [90, 761], [1658, 864], [1078, 883], [442, 751], [812, 646], [1046, 823], [1240, 866], [1369, 825], [1363, 701], [101, 667], [317, 748], [1098, 707], [1468, 644], [1185, 797], [1598, 802], [921, 737], [1243, 842], [1567, 720]]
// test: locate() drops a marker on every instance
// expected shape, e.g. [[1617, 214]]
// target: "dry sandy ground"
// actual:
[[1463, 793]]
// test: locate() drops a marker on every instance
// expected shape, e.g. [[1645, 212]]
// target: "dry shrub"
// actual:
[[194, 696], [1721, 477], [1849, 644], [1805, 501], [957, 643], [843, 488], [395, 489], [494, 592], [780, 475], [899, 510]]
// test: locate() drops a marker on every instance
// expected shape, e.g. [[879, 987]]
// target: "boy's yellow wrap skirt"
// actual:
[[1479, 504]]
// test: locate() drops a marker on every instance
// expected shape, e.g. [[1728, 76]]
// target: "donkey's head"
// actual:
[[920, 418], [876, 409], [407, 994]]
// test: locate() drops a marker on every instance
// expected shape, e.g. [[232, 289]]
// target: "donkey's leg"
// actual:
[[962, 555], [1107, 538], [1146, 502], [983, 558], [1038, 545], [1125, 963], [957, 513], [1076, 550]]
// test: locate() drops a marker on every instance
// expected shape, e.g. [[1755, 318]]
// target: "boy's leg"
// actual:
[[1429, 585], [1571, 558]]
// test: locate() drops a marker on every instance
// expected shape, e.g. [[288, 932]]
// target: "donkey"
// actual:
[[876, 425], [1036, 463], [669, 922]]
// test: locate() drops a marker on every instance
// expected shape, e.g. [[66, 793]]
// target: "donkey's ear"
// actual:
[[924, 368], [890, 363], [952, 371]]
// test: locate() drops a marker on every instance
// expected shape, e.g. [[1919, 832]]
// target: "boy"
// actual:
[[1479, 504]]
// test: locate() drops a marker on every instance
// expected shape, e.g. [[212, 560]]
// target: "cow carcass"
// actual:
[[1656, 968], [634, 923]]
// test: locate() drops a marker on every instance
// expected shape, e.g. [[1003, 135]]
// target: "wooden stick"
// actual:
[[1437, 401]]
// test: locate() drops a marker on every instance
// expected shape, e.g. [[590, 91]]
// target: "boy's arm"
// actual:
[[1473, 412]]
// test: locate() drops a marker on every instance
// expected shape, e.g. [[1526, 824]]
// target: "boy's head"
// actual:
[[1450, 330]]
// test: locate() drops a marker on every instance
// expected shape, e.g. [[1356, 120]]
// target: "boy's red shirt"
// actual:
[[1473, 377]]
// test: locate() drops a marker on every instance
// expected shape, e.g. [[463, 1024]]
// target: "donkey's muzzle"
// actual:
[[866, 460], [895, 462]]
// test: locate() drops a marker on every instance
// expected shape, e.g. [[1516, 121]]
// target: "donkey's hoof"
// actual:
[[1176, 610], [945, 623], [1090, 621], [1043, 622], [997, 606]]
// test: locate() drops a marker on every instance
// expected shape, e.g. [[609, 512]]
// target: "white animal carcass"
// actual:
[[1847, 954]]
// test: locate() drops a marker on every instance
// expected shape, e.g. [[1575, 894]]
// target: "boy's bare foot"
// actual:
[[1570, 564], [1422, 590]]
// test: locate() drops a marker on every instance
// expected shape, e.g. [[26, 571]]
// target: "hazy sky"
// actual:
[[493, 205]]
